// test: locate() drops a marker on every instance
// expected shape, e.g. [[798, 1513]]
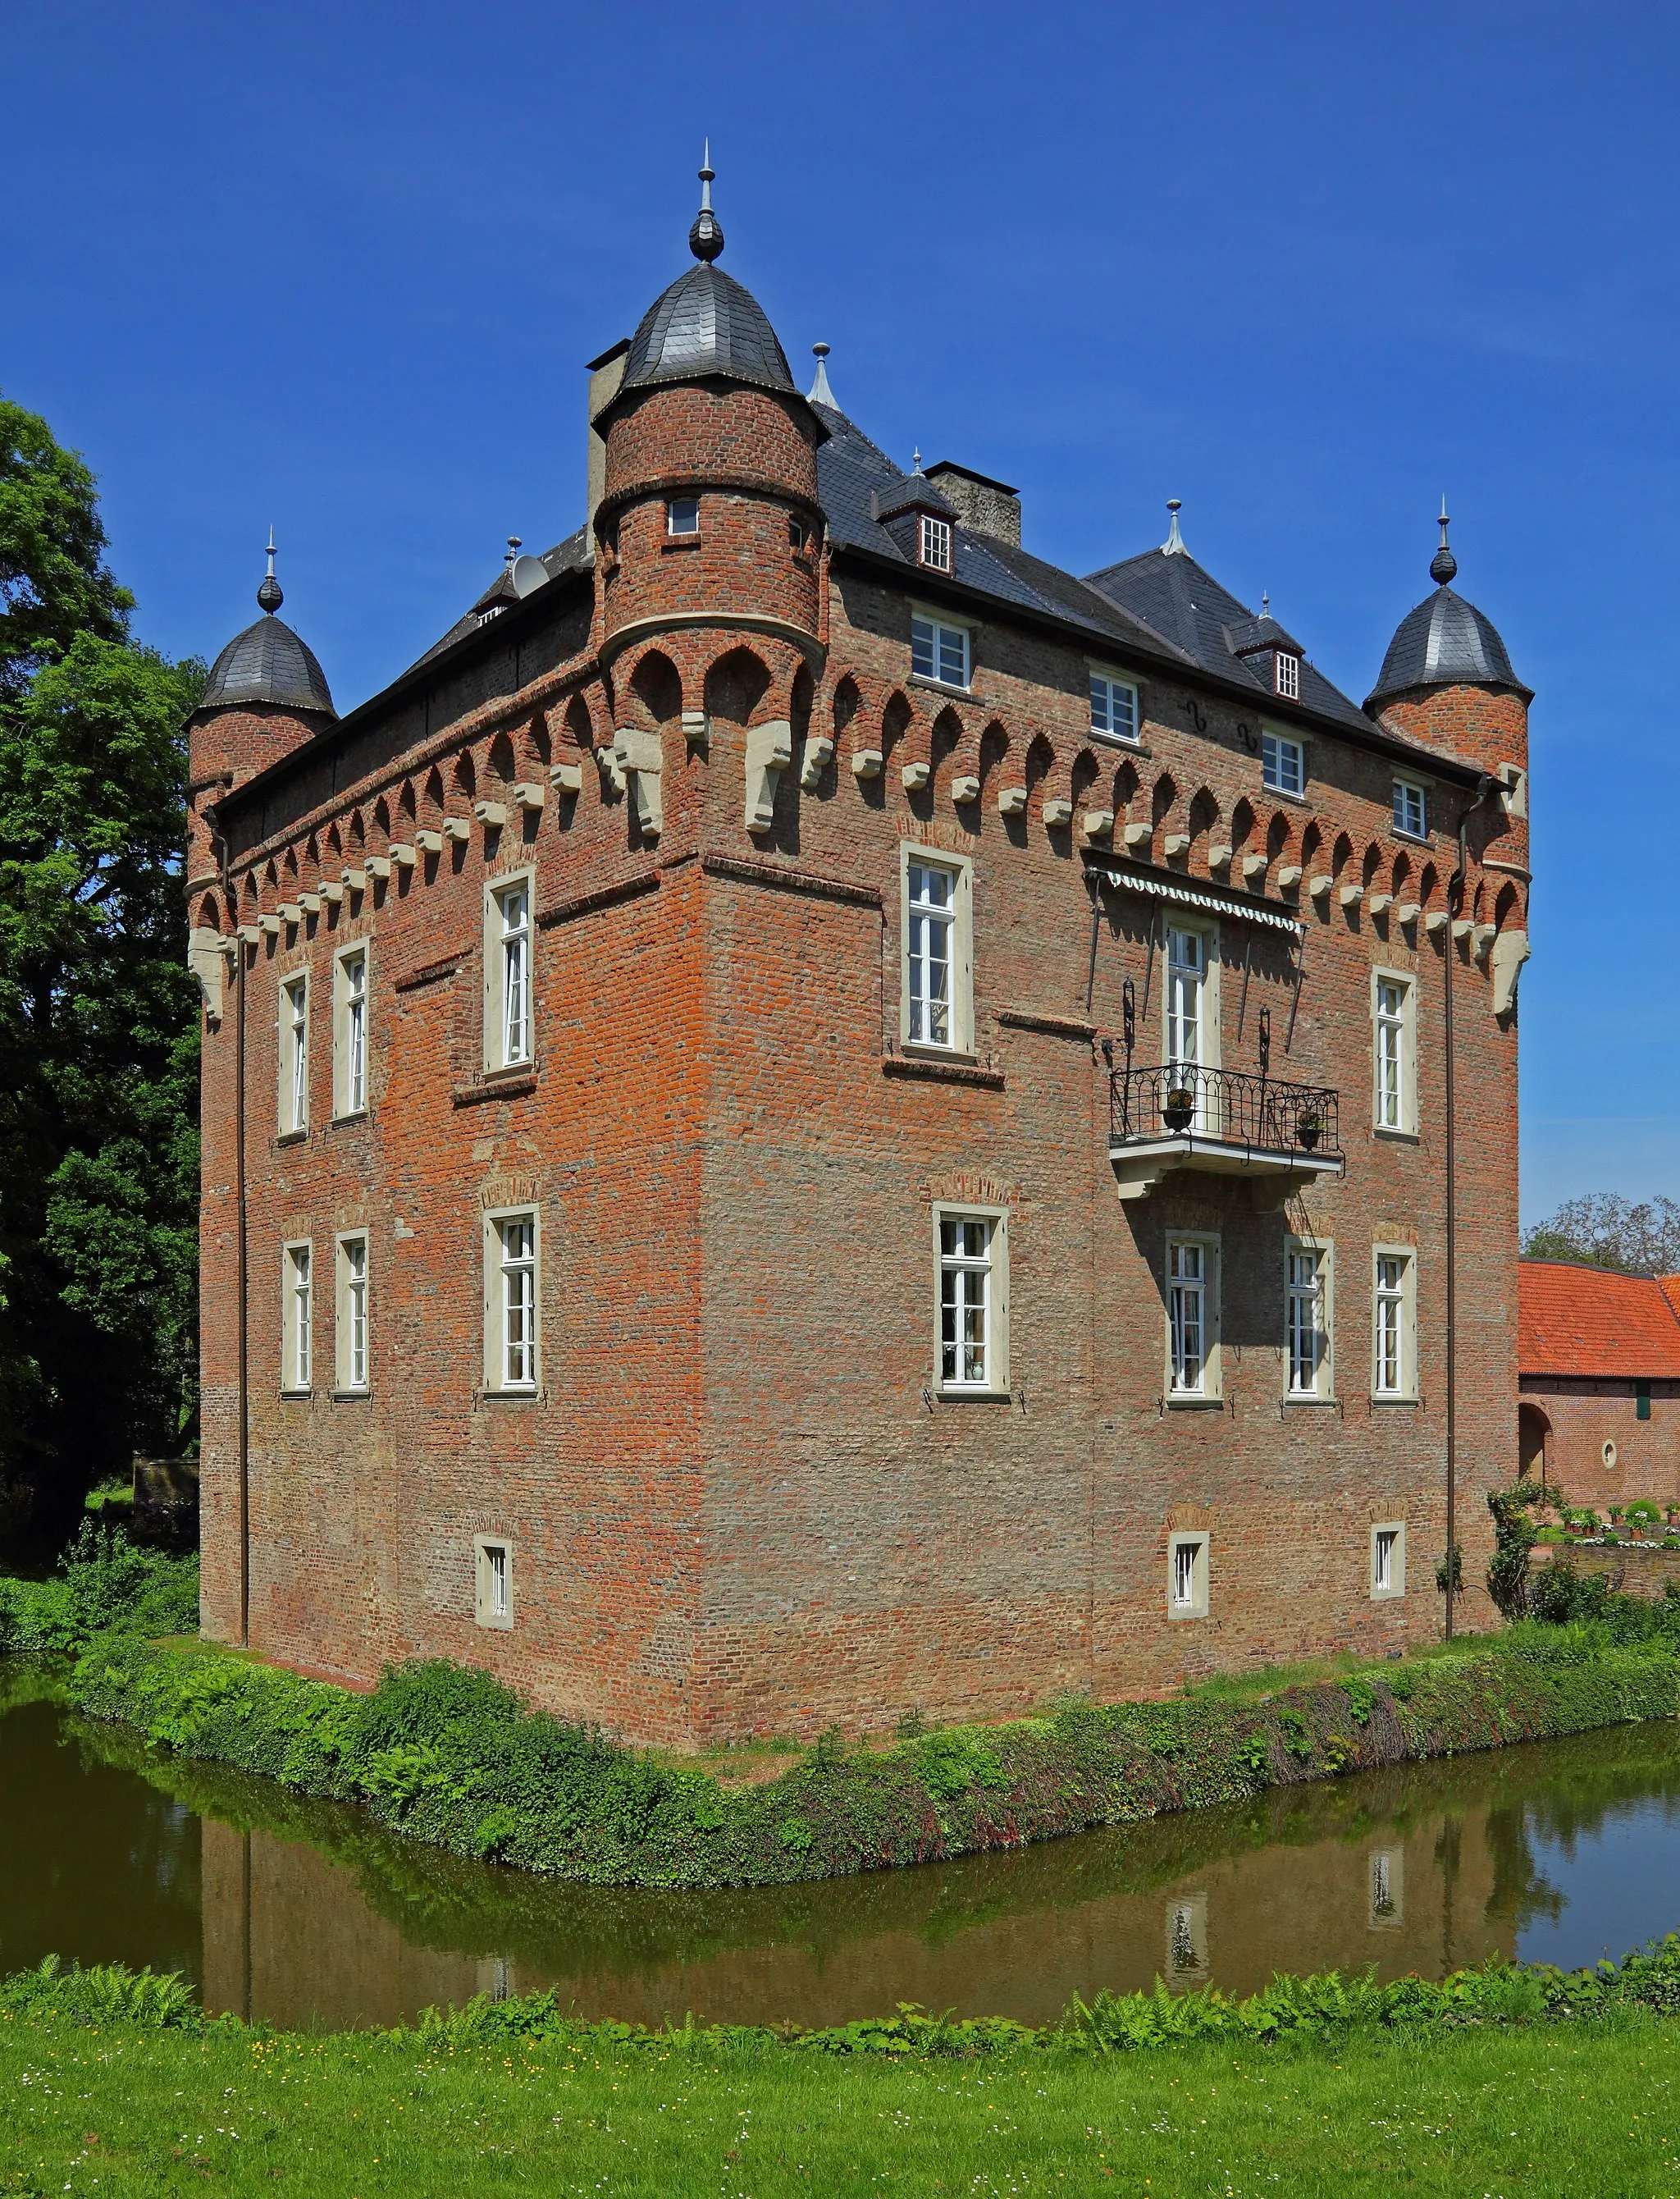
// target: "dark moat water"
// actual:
[[305, 1913]]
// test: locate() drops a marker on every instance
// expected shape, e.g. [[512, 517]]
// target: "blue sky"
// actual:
[[1306, 267]]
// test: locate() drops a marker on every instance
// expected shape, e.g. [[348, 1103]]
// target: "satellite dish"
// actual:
[[529, 573]]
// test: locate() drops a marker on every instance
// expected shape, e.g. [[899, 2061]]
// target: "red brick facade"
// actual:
[[1599, 1356], [739, 1499]]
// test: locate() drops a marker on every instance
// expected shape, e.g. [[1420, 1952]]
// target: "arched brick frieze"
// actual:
[[535, 747], [334, 848], [209, 913], [1370, 867], [1040, 770], [896, 721], [1082, 778], [432, 799], [1163, 800], [1400, 876], [1242, 827], [801, 700], [500, 763], [845, 708], [1313, 843], [580, 726], [945, 741], [288, 873], [652, 694], [991, 765], [1201, 823], [406, 806], [358, 832], [736, 684], [464, 778], [1506, 908], [1341, 854], [1429, 887], [1280, 838]]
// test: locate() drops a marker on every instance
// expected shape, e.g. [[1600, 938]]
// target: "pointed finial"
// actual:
[[916, 462], [819, 392], [1442, 565], [1174, 545], [268, 596], [1265, 602], [705, 238], [512, 552]]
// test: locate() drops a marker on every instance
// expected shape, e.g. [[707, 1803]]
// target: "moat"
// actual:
[[305, 1914]]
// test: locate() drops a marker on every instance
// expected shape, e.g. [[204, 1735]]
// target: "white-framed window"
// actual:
[[938, 976], [1307, 1317], [1192, 1319], [1411, 809], [511, 1318], [1394, 1350], [493, 1581], [294, 1054], [349, 1030], [1289, 674], [1394, 1088], [938, 652], [508, 1031], [799, 535], [935, 542], [352, 1311], [1283, 763], [1114, 708], [1389, 1559], [682, 515], [1190, 1022], [1187, 1570], [974, 1310], [297, 1317]]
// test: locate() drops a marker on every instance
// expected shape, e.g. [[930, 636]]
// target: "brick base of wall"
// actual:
[[1639, 1571]]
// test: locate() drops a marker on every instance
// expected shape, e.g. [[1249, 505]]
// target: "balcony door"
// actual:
[[1186, 1036]]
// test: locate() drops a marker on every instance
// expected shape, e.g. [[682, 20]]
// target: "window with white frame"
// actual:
[[493, 1580], [935, 542], [1389, 1559], [938, 652], [973, 1350], [1189, 1033], [1289, 674], [1187, 1568], [1307, 1284], [508, 1019], [938, 952], [1191, 1314], [353, 1313], [1392, 1011], [350, 1032], [1394, 1371], [1283, 763], [1114, 708], [682, 515], [1411, 809], [294, 1054], [510, 1306], [297, 1316]]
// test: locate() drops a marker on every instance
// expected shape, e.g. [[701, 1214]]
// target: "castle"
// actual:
[[812, 1119]]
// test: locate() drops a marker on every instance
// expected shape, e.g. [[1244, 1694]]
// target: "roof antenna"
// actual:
[[1442, 565], [705, 238], [269, 595], [512, 552], [819, 392], [1174, 545]]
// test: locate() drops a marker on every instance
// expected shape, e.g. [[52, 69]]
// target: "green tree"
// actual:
[[98, 1021], [1601, 1230]]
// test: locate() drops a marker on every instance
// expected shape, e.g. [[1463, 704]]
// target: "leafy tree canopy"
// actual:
[[1603, 1231], [53, 583]]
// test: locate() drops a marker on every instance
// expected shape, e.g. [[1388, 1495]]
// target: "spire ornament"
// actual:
[[819, 392], [1442, 565], [1174, 545], [269, 597], [705, 238]]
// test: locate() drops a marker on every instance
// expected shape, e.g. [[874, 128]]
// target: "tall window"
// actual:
[[493, 1568], [1187, 1265], [935, 542], [352, 1049], [931, 942], [1114, 708], [938, 652], [971, 1341], [1382, 1559], [682, 515], [294, 1054], [1411, 809], [513, 1309], [1308, 1323], [297, 1317], [1187, 1576], [352, 1324], [1289, 674], [1393, 1354], [510, 1036], [1393, 1003], [1283, 763]]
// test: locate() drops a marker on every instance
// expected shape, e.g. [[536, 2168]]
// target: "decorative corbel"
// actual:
[[697, 731], [639, 756], [818, 750], [769, 750], [205, 960], [1510, 951]]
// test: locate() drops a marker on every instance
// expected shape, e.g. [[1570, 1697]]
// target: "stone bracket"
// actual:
[[769, 750], [640, 757], [205, 959], [1510, 951], [818, 750]]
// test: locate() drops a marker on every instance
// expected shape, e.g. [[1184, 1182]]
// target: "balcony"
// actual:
[[1221, 1122]]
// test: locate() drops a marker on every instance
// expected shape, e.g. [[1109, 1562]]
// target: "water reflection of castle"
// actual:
[[290, 1937]]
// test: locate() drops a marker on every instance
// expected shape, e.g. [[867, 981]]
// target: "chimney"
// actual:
[[606, 375], [984, 506]]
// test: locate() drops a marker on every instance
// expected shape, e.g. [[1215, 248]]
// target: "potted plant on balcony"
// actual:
[[1309, 1127], [1178, 1103]]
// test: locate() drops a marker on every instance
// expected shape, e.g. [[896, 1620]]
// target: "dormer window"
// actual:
[[682, 515], [1288, 675], [935, 542]]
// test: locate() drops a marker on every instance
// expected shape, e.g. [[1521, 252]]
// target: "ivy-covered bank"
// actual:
[[449, 1756]]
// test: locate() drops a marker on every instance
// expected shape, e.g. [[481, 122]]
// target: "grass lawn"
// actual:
[[1559, 2109]]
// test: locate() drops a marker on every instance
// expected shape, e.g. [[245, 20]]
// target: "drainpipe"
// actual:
[[241, 1308], [1455, 902]]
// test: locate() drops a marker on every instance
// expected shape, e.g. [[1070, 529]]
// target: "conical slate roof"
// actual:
[[706, 324], [1444, 643], [268, 663]]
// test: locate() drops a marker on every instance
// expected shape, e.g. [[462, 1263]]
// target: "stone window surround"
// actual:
[[961, 1046], [484, 1599], [996, 1387], [1324, 1392], [1397, 1587], [1407, 1394], [1201, 1567], [494, 1312], [1407, 1128], [1211, 1392]]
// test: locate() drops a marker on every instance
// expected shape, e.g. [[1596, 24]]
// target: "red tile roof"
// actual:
[[1588, 1320]]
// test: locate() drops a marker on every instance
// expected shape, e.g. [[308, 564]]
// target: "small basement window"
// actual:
[[1288, 675], [493, 1567], [935, 542], [1187, 1576], [682, 515]]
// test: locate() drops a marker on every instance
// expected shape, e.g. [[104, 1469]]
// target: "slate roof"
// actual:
[[1443, 641], [572, 555], [1576, 1319], [705, 323], [268, 663]]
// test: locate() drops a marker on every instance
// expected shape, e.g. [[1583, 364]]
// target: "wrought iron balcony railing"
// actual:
[[1180, 1099]]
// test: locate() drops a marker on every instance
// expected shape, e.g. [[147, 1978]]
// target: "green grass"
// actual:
[[122, 2109]]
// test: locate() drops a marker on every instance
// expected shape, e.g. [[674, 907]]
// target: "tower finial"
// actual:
[[819, 392], [1442, 565], [705, 238], [1174, 545], [268, 596]]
